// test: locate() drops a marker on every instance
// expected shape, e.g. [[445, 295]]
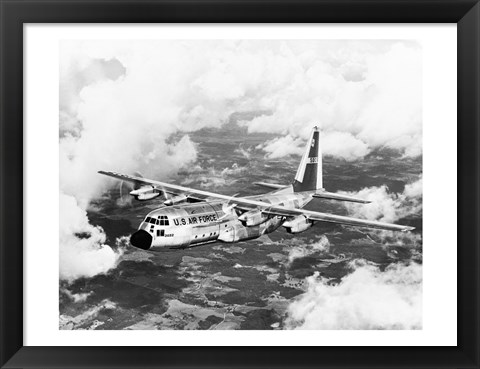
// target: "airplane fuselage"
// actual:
[[191, 224]]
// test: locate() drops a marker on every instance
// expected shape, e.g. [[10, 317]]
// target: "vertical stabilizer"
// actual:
[[309, 173]]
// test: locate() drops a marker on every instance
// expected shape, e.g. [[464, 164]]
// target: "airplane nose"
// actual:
[[141, 239]]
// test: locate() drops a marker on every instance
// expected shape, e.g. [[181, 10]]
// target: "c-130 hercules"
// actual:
[[194, 217]]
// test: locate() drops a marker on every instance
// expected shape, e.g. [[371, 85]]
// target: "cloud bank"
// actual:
[[361, 98], [339, 144], [386, 206], [365, 299], [83, 252], [121, 101]]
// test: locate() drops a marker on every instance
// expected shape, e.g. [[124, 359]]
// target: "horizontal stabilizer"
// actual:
[[270, 185], [336, 196]]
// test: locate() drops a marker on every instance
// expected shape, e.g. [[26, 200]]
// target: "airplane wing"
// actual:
[[266, 208], [339, 219]]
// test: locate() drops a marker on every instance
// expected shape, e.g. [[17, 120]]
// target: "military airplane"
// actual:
[[190, 217]]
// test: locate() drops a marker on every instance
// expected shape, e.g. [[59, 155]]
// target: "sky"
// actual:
[[127, 104]]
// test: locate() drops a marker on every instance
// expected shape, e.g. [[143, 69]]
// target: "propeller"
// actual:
[[228, 209], [124, 197], [166, 196], [124, 188]]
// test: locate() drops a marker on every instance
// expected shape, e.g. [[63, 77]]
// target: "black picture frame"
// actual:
[[16, 13]]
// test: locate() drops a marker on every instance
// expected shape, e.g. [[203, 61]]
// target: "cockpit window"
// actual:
[[163, 219], [151, 220]]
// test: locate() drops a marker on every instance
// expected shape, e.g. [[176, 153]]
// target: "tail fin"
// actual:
[[309, 173]]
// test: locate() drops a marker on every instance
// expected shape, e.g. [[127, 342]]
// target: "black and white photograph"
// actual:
[[240, 184]]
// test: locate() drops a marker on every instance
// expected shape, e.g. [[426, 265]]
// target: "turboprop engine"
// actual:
[[145, 193], [176, 200], [298, 224], [252, 218]]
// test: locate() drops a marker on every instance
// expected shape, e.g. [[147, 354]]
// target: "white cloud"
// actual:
[[211, 177], [86, 319], [120, 101], [343, 145], [282, 146], [245, 152], [373, 96], [83, 252], [414, 190], [76, 297], [386, 206], [81, 158], [388, 238], [301, 251], [365, 299], [339, 144]]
